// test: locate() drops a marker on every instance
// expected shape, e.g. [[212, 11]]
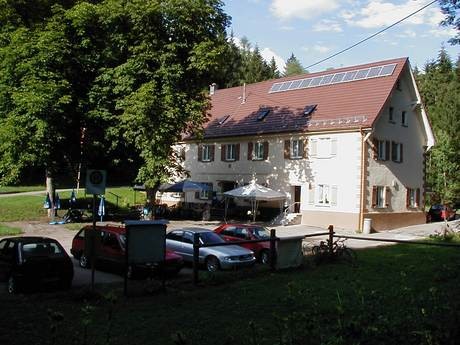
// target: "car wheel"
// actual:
[[212, 264], [84, 262], [12, 285], [264, 257]]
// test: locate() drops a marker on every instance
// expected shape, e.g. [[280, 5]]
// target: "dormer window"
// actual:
[[262, 114]]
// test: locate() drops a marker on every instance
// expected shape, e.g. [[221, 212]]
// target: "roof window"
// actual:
[[262, 114], [223, 119], [309, 109]]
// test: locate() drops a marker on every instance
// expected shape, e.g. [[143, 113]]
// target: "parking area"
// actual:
[[83, 276]]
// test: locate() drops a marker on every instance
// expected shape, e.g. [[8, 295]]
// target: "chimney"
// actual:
[[212, 88]]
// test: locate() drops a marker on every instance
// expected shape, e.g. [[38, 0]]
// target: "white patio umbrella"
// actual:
[[255, 192]]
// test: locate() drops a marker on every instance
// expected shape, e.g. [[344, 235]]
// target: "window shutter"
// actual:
[[265, 150], [374, 196], [223, 149], [314, 146], [200, 153], [250, 150], [311, 195], [197, 195], [334, 195], [387, 150], [334, 147], [287, 149], [375, 148], [212, 152], [237, 152], [305, 147], [417, 197], [400, 153], [387, 196], [407, 197]]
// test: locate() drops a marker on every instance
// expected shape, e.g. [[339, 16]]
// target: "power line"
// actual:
[[372, 36]]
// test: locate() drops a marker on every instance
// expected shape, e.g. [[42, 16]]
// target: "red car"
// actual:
[[239, 232], [111, 252]]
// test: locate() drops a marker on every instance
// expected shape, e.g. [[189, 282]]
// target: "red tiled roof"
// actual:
[[347, 105]]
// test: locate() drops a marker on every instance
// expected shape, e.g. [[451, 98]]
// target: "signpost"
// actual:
[[95, 184]]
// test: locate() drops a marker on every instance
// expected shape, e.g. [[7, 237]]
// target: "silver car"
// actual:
[[214, 258]]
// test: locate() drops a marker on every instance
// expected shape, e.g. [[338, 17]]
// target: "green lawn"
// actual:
[[6, 230], [399, 294], [19, 189], [30, 207]]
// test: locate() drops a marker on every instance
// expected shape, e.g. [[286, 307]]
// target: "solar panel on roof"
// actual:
[[387, 70], [333, 78], [326, 79], [337, 78], [349, 75], [262, 114], [305, 83], [275, 87], [316, 81], [374, 72], [295, 84], [285, 86], [362, 73]]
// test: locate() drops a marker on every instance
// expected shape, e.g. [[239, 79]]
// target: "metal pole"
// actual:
[[331, 239], [196, 257], [93, 244], [272, 249]]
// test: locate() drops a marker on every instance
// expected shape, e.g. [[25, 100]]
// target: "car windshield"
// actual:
[[210, 238], [30, 250], [260, 233]]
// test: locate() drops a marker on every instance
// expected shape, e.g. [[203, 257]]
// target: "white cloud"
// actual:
[[380, 13], [267, 54], [318, 48], [287, 28], [327, 25], [304, 9], [407, 34]]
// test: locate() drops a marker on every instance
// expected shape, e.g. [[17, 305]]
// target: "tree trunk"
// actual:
[[151, 193], [50, 189]]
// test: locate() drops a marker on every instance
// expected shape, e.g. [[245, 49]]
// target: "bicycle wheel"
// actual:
[[347, 254]]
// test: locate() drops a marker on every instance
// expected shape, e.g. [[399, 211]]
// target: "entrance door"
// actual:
[[297, 199]]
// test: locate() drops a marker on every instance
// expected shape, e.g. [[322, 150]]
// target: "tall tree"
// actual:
[[440, 90], [132, 73], [451, 9], [293, 67]]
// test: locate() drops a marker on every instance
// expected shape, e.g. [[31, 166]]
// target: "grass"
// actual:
[[30, 207], [20, 189], [397, 294], [6, 230]]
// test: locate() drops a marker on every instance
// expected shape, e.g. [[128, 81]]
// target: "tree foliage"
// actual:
[[451, 9], [131, 74], [293, 67], [440, 90]]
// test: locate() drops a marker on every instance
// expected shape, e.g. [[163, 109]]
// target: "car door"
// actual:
[[111, 251], [228, 234], [187, 246], [5, 260], [174, 241]]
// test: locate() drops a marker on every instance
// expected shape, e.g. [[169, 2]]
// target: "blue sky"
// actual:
[[315, 29]]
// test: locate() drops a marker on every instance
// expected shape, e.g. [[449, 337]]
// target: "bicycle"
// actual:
[[322, 251]]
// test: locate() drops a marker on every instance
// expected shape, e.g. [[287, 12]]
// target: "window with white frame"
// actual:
[[413, 197], [396, 152], [296, 148], [404, 119], [258, 151], [230, 152], [380, 196], [324, 147], [323, 195], [205, 194], [206, 153]]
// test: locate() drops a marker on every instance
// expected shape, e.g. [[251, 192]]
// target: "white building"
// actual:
[[343, 145]]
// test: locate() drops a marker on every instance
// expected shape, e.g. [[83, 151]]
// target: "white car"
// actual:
[[220, 257]]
